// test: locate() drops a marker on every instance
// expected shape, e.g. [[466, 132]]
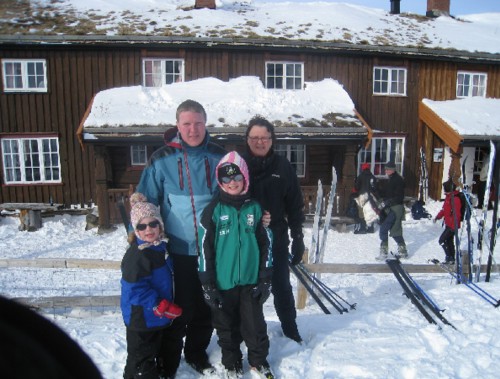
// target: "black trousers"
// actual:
[[241, 319], [284, 302], [447, 242], [195, 324], [142, 350]]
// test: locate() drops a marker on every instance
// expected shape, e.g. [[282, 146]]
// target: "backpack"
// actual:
[[418, 211]]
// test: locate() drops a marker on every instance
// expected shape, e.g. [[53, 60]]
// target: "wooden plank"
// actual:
[[70, 302], [373, 268], [61, 263]]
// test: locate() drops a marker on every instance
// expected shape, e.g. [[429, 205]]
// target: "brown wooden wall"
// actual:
[[76, 74], [437, 81]]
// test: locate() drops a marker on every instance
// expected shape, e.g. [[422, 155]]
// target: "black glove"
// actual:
[[298, 249], [212, 296], [262, 291]]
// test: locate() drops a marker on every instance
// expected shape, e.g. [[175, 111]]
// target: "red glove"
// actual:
[[167, 309]]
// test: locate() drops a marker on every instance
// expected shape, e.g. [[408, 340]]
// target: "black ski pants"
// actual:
[[195, 324], [143, 348], [447, 242], [241, 319], [282, 291]]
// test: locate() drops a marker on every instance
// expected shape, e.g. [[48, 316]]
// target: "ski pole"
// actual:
[[309, 289], [326, 288], [334, 302]]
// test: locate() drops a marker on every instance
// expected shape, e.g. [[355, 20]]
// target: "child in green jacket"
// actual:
[[235, 268]]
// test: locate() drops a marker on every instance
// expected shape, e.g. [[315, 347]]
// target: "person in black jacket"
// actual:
[[274, 183], [392, 205], [147, 293]]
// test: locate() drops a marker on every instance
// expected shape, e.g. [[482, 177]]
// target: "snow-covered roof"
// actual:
[[300, 22], [469, 117], [139, 110]]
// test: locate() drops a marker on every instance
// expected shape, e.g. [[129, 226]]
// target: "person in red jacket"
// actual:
[[451, 220]]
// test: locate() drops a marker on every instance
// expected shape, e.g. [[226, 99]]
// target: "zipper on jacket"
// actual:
[[181, 177], [207, 174]]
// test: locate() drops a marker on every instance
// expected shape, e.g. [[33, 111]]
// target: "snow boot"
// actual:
[[361, 229], [402, 251], [370, 229], [384, 251], [262, 371]]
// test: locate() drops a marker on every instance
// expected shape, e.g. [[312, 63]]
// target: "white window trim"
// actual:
[[392, 71], [471, 86], [141, 148], [377, 168], [24, 75], [284, 77], [288, 148], [20, 163], [162, 69]]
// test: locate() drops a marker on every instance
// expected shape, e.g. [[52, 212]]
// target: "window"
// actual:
[[24, 75], [296, 154], [159, 72], [471, 84], [31, 160], [284, 75], [381, 151], [138, 155], [389, 81]]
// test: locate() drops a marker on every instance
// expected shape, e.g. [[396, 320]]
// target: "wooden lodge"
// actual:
[[41, 119]]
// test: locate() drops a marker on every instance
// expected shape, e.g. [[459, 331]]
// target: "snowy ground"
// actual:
[[384, 337]]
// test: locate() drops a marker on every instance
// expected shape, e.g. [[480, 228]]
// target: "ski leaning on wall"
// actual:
[[482, 239], [328, 217], [315, 228], [424, 177]]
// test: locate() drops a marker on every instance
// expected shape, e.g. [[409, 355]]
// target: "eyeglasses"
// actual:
[[152, 225], [260, 139], [236, 178]]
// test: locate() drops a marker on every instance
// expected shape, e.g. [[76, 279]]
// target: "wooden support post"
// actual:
[[301, 290]]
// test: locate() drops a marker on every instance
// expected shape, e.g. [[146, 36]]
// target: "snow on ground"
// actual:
[[384, 337]]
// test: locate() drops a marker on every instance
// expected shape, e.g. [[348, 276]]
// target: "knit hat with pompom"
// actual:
[[142, 209]]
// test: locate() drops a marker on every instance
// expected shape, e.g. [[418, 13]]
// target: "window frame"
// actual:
[[377, 166], [390, 81], [178, 77], [288, 150], [21, 163], [24, 75], [135, 150], [285, 76], [471, 87]]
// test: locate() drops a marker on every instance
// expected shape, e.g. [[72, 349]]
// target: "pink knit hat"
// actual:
[[142, 209], [234, 159]]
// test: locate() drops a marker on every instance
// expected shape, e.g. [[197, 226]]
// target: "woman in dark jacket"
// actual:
[[274, 183]]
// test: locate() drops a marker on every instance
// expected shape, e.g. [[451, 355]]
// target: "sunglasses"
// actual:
[[236, 178], [152, 225]]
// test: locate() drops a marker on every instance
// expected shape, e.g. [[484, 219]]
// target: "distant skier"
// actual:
[[392, 205], [446, 240]]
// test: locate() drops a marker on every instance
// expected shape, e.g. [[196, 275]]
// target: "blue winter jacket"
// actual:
[[179, 177], [147, 278]]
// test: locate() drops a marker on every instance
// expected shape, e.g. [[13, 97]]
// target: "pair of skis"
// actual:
[[469, 284], [482, 238], [426, 306], [316, 287], [318, 247]]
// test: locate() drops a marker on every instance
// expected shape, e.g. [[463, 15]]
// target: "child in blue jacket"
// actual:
[[147, 294]]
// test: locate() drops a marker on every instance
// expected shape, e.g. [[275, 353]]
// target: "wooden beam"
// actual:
[[444, 131]]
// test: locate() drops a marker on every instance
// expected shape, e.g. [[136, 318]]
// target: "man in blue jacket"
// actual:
[[180, 178]]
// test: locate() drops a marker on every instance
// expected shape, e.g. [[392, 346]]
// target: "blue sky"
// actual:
[[457, 7]]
